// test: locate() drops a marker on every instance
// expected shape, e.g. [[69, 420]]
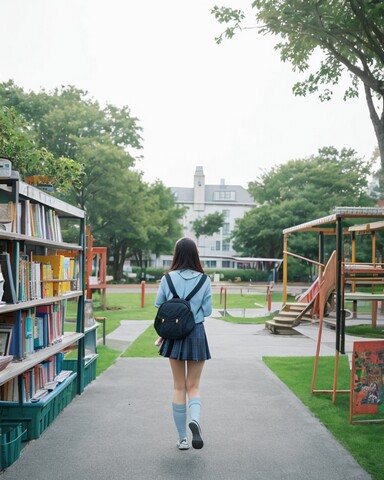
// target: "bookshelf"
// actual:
[[42, 273]]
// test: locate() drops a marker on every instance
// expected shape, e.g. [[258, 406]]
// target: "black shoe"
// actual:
[[197, 441]]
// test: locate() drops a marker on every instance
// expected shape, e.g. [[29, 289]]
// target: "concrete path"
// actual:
[[254, 427]]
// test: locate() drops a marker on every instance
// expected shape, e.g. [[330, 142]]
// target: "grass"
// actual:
[[120, 306], [365, 331], [107, 357], [143, 346], [364, 442], [254, 320]]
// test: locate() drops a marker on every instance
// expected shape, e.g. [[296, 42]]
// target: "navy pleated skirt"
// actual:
[[193, 347]]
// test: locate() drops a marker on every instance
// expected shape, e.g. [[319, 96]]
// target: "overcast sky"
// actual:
[[227, 107]]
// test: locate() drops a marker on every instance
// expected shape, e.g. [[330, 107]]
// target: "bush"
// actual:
[[250, 275]]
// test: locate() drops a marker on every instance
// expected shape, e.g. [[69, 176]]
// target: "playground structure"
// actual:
[[339, 274], [337, 281], [96, 269]]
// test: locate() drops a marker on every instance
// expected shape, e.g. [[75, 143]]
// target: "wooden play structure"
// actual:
[[337, 281], [96, 269]]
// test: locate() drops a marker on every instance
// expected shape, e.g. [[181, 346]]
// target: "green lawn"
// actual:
[[143, 346], [365, 331], [365, 442]]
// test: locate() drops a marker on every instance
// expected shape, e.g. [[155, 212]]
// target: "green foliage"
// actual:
[[337, 177], [245, 275], [19, 144], [349, 35], [164, 219], [228, 15], [296, 192], [208, 225]]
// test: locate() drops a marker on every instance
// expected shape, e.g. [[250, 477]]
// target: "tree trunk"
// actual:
[[119, 256], [378, 122]]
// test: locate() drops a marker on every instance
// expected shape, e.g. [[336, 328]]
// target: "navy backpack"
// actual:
[[175, 319]]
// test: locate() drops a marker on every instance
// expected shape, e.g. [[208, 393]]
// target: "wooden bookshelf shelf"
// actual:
[[38, 241], [12, 307], [60, 206], [16, 368]]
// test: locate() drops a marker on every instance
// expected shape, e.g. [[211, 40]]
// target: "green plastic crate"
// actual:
[[89, 368], [10, 443], [36, 417]]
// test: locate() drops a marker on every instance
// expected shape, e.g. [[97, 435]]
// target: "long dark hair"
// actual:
[[186, 256]]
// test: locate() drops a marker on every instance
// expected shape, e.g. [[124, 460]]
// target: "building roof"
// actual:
[[242, 196], [339, 212]]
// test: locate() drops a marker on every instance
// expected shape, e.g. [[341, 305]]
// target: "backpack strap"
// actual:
[[197, 288], [171, 286], [194, 291]]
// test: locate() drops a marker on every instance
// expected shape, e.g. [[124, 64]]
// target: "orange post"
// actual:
[[223, 289], [142, 294], [269, 298]]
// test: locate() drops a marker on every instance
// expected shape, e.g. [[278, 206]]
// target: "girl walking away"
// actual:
[[187, 356]]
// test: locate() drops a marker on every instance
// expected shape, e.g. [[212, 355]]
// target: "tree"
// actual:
[[208, 225], [350, 34], [18, 143], [165, 226], [67, 123], [160, 226], [127, 215], [296, 192]]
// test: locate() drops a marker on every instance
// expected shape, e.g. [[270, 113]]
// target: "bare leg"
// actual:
[[194, 370], [179, 384], [179, 407]]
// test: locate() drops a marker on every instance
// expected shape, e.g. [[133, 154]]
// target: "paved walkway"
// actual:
[[254, 427]]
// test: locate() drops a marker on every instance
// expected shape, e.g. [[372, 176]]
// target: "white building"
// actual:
[[200, 200]]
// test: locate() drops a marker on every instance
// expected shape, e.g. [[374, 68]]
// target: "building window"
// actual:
[[167, 263], [217, 246], [226, 264], [226, 229], [226, 244], [226, 214], [223, 195], [209, 263]]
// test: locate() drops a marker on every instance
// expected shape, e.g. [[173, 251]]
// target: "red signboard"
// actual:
[[367, 385]]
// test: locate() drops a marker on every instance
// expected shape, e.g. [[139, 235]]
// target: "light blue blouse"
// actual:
[[184, 282]]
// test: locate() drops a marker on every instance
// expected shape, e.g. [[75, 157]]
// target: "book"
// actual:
[[63, 375], [57, 264], [6, 335], [47, 274], [28, 332], [9, 295], [6, 216], [39, 395]]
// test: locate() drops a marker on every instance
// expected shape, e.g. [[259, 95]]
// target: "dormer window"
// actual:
[[224, 195]]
